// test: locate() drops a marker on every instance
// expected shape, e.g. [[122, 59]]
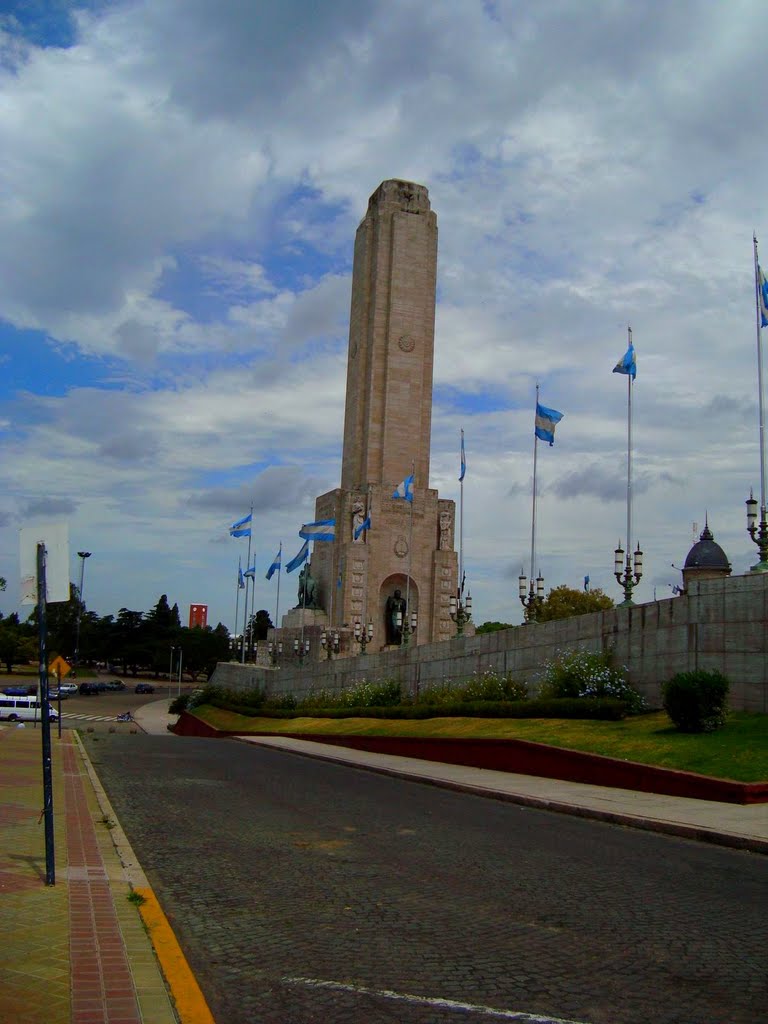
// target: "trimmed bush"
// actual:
[[696, 701], [178, 704]]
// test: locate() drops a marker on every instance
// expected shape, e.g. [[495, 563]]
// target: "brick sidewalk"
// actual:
[[75, 952]]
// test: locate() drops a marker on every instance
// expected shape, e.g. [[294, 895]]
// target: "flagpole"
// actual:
[[247, 566], [461, 525], [406, 624], [533, 510], [760, 378], [279, 570], [629, 456], [237, 592]]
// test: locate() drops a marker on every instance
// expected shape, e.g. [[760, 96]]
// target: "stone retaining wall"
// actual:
[[719, 624]]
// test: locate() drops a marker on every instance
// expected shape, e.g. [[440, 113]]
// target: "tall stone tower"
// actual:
[[410, 546]]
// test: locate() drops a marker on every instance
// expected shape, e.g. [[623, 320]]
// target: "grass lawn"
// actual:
[[738, 751]]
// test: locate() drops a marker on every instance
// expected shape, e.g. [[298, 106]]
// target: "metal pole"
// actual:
[[629, 459], [181, 657], [247, 567], [406, 618], [237, 593], [533, 507], [760, 380], [82, 555], [50, 860], [279, 572]]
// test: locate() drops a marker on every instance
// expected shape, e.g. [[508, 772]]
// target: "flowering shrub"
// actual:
[[589, 674], [486, 685], [364, 694]]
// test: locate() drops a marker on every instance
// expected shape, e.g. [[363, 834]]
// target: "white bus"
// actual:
[[24, 709]]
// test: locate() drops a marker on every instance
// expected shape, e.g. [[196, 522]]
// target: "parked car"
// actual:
[[68, 688], [144, 688], [57, 694], [114, 684], [89, 690], [17, 691]]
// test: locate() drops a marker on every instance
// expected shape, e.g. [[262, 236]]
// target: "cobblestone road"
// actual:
[[304, 891]]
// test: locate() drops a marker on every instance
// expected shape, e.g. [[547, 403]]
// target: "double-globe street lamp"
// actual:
[[330, 643], [363, 634], [531, 597], [758, 532], [627, 575], [405, 627], [461, 611]]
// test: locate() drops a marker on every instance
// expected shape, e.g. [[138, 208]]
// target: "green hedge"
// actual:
[[697, 701], [604, 708]]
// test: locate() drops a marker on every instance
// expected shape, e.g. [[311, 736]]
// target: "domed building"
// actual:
[[706, 560]]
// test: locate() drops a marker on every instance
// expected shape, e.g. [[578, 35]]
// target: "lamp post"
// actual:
[[181, 659], [627, 575], [82, 555], [170, 671], [275, 650], [461, 611], [758, 533], [301, 649], [363, 634], [531, 597], [330, 643], [406, 628]]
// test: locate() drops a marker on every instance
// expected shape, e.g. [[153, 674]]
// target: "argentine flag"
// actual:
[[365, 525], [628, 364], [463, 459], [546, 421], [276, 564], [404, 489], [242, 528], [762, 291], [323, 529], [250, 573], [302, 556]]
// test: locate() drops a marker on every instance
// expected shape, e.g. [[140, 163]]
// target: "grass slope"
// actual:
[[739, 751]]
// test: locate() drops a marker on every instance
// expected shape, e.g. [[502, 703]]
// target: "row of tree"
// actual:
[[132, 642]]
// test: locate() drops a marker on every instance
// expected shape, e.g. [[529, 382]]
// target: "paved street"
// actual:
[[305, 891]]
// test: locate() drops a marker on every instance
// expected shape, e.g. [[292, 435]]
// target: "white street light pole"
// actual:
[[82, 555]]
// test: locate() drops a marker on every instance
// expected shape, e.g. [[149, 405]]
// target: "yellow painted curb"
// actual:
[[189, 1000]]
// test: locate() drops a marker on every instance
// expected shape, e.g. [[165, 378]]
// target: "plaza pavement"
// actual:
[[80, 952]]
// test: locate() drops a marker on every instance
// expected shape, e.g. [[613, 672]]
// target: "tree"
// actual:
[[492, 627], [562, 602], [261, 623]]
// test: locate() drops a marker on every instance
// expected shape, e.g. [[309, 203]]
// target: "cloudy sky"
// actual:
[[180, 183]]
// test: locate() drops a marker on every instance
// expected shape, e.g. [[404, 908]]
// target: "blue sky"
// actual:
[[180, 185]]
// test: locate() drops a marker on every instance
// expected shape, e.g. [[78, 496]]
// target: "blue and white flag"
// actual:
[[301, 557], [365, 525], [276, 564], [463, 459], [323, 529], [762, 293], [250, 573], [242, 528], [240, 580], [546, 421], [404, 489], [627, 363], [586, 582]]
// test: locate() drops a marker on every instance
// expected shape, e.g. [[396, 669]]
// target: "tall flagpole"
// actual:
[[406, 625], [533, 511], [247, 566], [629, 454], [237, 594], [760, 378], [279, 571], [461, 521]]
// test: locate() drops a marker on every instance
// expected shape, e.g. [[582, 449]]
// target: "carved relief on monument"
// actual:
[[446, 522], [358, 566], [406, 343], [401, 547]]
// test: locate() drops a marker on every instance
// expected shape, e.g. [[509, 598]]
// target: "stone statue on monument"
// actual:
[[446, 521], [307, 589], [395, 604], [358, 517]]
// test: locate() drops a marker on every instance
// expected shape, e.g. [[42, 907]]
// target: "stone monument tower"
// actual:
[[410, 545]]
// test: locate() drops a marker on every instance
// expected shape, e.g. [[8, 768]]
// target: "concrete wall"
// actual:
[[718, 624]]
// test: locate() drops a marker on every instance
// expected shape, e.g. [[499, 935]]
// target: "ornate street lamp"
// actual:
[[301, 649], [531, 597], [330, 643], [363, 635], [406, 628], [82, 555], [626, 575], [461, 611], [275, 650], [759, 534]]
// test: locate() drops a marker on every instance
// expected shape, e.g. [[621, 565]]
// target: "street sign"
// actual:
[[59, 667]]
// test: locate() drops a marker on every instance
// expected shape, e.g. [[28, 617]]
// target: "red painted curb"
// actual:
[[526, 758]]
